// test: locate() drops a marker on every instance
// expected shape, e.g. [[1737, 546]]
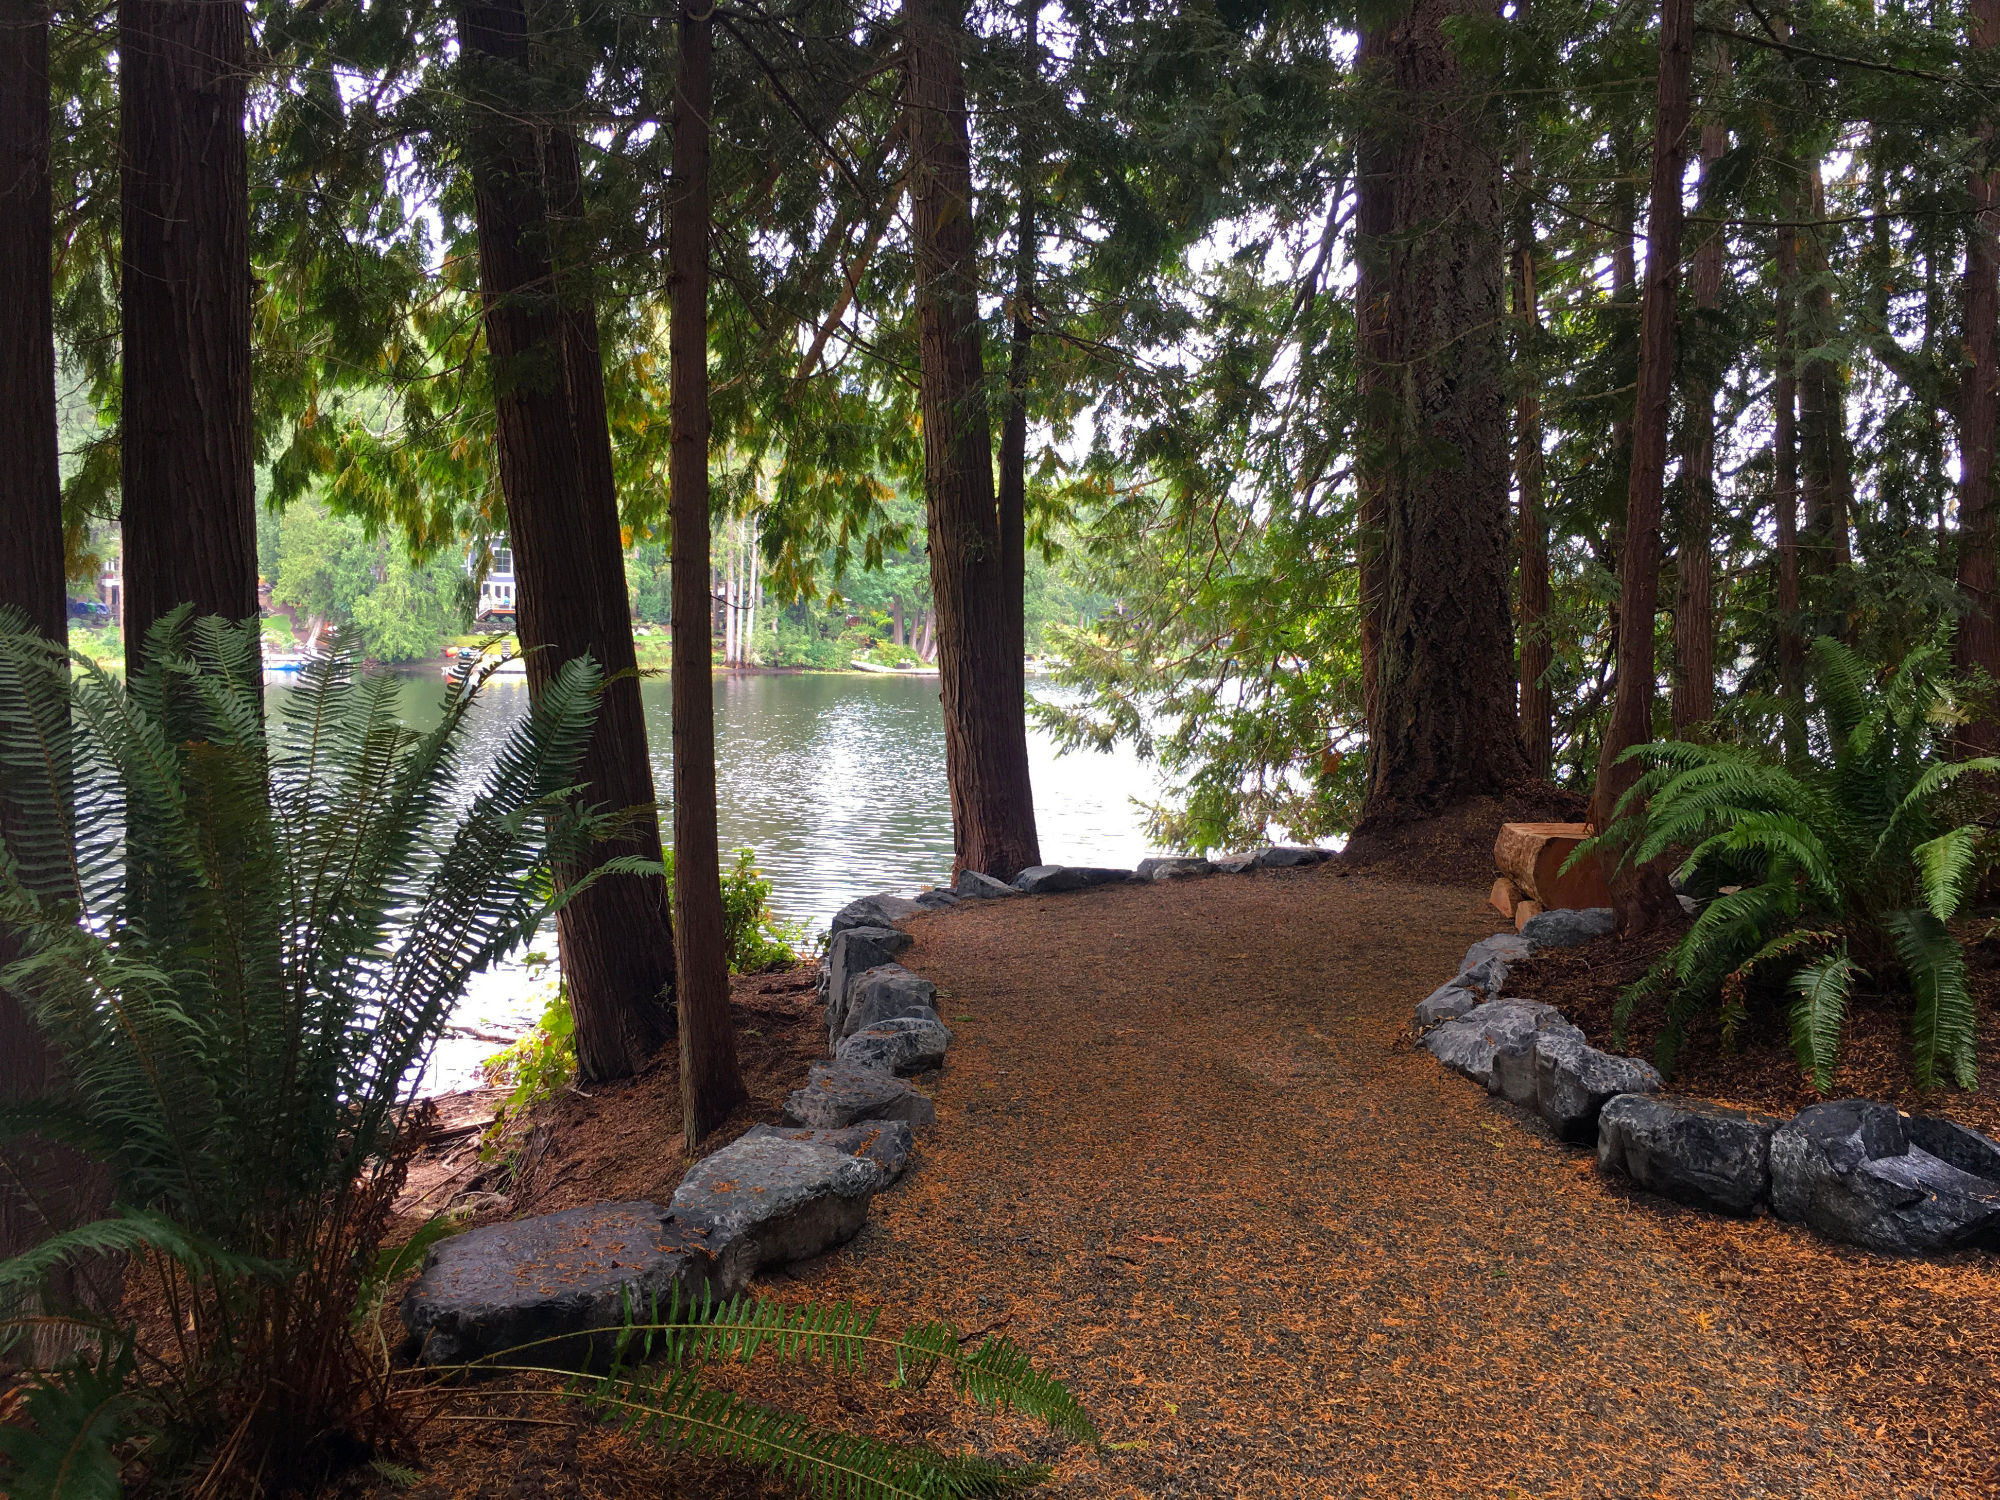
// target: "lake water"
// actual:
[[837, 781]]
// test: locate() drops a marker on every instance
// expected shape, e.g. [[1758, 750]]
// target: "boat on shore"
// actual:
[[875, 666]]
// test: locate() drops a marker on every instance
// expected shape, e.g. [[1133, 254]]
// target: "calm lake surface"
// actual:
[[836, 780]]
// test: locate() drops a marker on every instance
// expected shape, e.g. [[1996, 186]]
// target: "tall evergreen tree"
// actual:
[[562, 517], [188, 493], [1978, 643]]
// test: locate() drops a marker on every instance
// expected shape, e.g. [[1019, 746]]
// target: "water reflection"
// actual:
[[837, 781]]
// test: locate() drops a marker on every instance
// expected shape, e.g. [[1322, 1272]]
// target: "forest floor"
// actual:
[[1189, 1158]]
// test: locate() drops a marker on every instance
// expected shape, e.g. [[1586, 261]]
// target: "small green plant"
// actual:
[[1846, 864], [538, 1066]]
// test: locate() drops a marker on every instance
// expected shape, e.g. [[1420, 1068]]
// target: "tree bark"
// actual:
[[1978, 645], [1431, 253], [1640, 893], [1693, 691], [711, 1083], [1014, 422], [1537, 705], [1826, 456], [1785, 467], [189, 498], [986, 742], [556, 473]]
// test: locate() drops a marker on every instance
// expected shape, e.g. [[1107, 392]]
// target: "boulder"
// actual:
[[884, 910], [1570, 929], [886, 1143], [1171, 867], [838, 1094], [905, 1044], [974, 886], [1848, 1170], [1514, 1075], [882, 992], [544, 1291], [1289, 856], [1047, 880], [1694, 1152], [1472, 1044], [1446, 1003], [935, 900], [1574, 1081], [1962, 1146], [775, 1195], [1489, 962], [1235, 864], [851, 952]]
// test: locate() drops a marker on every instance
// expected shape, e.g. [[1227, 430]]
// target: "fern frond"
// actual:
[[1819, 1006], [1946, 865], [1942, 1026]]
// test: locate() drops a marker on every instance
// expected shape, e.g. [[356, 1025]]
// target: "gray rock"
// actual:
[[1488, 979], [852, 952], [1694, 1152], [1508, 947], [974, 886], [1574, 1081], [1965, 1148], [1170, 867], [1472, 1044], [1445, 1003], [935, 900], [1235, 864], [884, 910], [882, 992], [1847, 1170], [886, 1143], [906, 1044], [1569, 929], [1688, 904], [1514, 1055], [773, 1196], [1047, 880], [838, 1094], [1289, 856], [544, 1291]]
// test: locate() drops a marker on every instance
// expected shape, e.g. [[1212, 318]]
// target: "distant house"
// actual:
[[496, 589]]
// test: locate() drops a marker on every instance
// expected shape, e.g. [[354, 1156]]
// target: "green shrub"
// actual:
[[1849, 864]]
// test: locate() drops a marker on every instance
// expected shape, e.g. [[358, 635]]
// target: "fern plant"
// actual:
[[241, 945], [1847, 864]]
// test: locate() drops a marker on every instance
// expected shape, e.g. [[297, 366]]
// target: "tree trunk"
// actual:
[[1014, 423], [1640, 893], [711, 1083], [1694, 561], [1374, 220], [1537, 705], [189, 498], [1978, 646], [896, 619], [1436, 455], [1785, 475], [986, 740], [1826, 456], [554, 446]]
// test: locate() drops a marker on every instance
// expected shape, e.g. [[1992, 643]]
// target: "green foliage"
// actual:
[[60, 1443], [538, 1066], [1852, 845], [390, 609], [241, 944]]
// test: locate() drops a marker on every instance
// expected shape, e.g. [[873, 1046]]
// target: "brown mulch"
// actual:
[[1456, 849], [1187, 1156]]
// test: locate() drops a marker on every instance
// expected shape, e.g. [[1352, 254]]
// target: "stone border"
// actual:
[[774, 1195], [1854, 1170]]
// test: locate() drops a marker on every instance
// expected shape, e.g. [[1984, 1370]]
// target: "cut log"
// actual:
[[1532, 855], [1506, 896], [1525, 912]]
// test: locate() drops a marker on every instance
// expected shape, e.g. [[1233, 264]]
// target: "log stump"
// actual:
[[1531, 855]]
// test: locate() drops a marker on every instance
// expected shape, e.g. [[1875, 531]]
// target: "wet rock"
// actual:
[[1961, 1145], [1172, 867], [774, 1195], [852, 952], [882, 992], [974, 886], [1694, 1152], [1446, 1003], [903, 1045], [839, 1094], [557, 1283], [884, 910], [1570, 929], [1289, 856], [1848, 1170], [934, 900], [1047, 880], [1574, 1081], [1234, 864], [1473, 1044]]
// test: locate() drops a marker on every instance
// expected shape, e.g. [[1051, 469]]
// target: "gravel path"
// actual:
[[1187, 1155]]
